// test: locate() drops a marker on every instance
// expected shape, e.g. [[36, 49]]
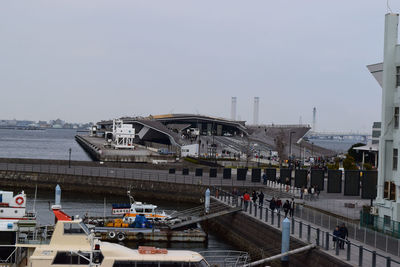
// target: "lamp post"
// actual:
[[69, 161], [290, 148]]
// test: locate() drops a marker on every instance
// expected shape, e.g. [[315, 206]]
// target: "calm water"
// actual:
[[40, 144]]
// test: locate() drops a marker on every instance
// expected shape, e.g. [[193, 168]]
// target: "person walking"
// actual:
[[291, 210], [286, 207], [254, 196], [261, 198], [336, 235], [272, 204], [246, 199], [344, 233], [278, 205]]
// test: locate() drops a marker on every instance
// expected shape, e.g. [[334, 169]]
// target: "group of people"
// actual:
[[340, 234], [254, 197], [311, 193], [288, 206]]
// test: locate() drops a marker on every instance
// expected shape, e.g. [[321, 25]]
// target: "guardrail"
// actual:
[[309, 233]]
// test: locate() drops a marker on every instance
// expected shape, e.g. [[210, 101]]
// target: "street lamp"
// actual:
[[290, 148], [69, 161]]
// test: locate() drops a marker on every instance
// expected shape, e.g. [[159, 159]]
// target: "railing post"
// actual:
[[308, 233], [279, 220], [272, 217], [388, 261], [251, 207], [348, 250], [266, 214], [326, 241], [337, 244], [300, 229], [255, 210], [360, 256], [373, 258], [318, 232], [293, 221]]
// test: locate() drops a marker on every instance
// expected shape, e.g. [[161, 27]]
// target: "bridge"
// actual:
[[361, 137]]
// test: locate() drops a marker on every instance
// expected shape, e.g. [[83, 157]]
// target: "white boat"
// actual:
[[72, 243], [137, 208]]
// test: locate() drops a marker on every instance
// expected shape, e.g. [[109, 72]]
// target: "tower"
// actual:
[[256, 110], [314, 119], [233, 108]]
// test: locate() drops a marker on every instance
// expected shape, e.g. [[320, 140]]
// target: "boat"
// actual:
[[134, 208], [15, 223], [72, 243]]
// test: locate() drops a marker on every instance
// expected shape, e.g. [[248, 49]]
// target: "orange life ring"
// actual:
[[19, 200]]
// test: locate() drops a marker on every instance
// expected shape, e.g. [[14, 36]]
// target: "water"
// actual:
[[40, 144]]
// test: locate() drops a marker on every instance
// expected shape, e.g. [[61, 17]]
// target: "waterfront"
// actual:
[[40, 144]]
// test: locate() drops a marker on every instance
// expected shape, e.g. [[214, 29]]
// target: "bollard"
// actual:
[[293, 225], [57, 196], [348, 249], [373, 258], [308, 233], [360, 256], [266, 214], [300, 229], [272, 217], [388, 261], [285, 239], [279, 220], [318, 231], [241, 203], [251, 207], [224, 196], [260, 212], [207, 201], [237, 201], [255, 210], [337, 246], [326, 241]]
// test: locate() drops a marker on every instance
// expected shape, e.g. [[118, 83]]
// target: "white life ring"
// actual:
[[121, 236], [111, 235], [19, 200]]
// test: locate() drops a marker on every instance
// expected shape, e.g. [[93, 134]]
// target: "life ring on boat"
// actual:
[[111, 235], [19, 200], [121, 236]]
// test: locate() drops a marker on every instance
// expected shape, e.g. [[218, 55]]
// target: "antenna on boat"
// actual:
[[131, 199], [34, 200]]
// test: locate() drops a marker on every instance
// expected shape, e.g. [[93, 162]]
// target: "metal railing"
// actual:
[[310, 233]]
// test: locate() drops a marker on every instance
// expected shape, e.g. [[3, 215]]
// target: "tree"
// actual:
[[357, 156], [349, 163]]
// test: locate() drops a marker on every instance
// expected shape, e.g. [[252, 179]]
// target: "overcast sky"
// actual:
[[91, 60]]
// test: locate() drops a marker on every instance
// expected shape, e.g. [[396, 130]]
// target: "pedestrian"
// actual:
[[336, 235], [246, 199], [312, 193], [344, 233], [278, 205], [317, 190], [286, 207], [264, 178], [272, 204], [254, 196], [301, 192], [291, 210], [261, 199], [305, 193]]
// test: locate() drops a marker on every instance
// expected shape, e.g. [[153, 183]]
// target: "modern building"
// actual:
[[388, 76]]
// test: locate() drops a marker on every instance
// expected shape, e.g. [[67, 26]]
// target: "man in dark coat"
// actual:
[[344, 233], [261, 198]]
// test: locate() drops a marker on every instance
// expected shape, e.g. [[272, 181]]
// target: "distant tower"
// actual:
[[314, 119], [233, 108], [256, 110]]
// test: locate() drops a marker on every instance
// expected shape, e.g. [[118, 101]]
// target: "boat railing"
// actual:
[[226, 258]]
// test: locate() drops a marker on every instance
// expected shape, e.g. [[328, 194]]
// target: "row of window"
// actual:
[[71, 258]]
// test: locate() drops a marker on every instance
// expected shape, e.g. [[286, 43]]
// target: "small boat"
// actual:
[[134, 208], [72, 243]]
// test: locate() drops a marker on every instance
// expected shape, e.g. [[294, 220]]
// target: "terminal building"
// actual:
[[387, 74]]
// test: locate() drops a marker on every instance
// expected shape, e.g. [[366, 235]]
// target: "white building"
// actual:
[[388, 201]]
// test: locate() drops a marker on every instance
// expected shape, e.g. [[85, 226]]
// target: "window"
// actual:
[[397, 76], [148, 210], [386, 190], [396, 117], [386, 220], [74, 228], [392, 191], [71, 258], [395, 155], [139, 210]]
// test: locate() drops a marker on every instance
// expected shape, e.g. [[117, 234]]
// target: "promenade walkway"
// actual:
[[355, 253]]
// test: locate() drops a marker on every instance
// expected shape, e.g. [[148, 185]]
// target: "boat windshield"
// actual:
[[85, 228]]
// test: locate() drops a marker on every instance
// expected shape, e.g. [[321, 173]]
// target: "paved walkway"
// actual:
[[354, 251]]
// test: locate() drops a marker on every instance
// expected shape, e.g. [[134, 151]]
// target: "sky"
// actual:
[[92, 60]]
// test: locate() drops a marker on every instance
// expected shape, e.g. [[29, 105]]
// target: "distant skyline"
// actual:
[[84, 61]]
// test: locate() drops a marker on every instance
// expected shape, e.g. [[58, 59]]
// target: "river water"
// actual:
[[54, 144]]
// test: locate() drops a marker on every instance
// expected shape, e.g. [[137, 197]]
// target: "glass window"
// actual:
[[73, 228], [71, 258], [395, 155], [397, 76], [139, 210], [148, 210], [386, 190], [396, 117], [386, 220]]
